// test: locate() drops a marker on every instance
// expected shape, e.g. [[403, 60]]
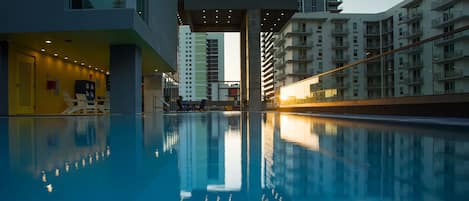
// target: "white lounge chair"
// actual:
[[103, 104], [72, 104], [83, 102]]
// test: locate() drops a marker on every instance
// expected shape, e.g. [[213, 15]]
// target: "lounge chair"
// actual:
[[72, 104], [88, 105]]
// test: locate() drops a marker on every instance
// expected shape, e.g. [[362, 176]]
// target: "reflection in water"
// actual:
[[229, 156]]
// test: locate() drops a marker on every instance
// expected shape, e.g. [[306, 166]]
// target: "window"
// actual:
[[355, 26], [355, 52], [355, 39], [319, 39]]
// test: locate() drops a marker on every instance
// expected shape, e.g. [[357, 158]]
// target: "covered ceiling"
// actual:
[[228, 15]]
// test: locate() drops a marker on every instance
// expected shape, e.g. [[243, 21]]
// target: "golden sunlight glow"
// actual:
[[298, 90], [297, 129]]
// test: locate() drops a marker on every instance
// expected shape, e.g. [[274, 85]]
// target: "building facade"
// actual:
[[58, 42], [268, 38], [312, 43], [201, 63]]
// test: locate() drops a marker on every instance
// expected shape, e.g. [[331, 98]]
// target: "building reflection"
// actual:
[[311, 158], [204, 140]]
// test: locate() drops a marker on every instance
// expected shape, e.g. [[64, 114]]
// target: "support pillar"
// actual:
[[126, 79], [153, 93], [243, 78], [251, 128], [251, 56], [3, 78]]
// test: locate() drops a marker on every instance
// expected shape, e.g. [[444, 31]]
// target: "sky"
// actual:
[[232, 49]]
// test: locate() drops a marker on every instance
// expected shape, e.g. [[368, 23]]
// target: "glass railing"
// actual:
[[422, 69], [140, 6]]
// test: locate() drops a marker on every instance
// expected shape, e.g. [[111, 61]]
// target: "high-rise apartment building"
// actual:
[[267, 47], [312, 43], [201, 63]]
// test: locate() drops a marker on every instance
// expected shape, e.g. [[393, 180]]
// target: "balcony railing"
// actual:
[[452, 38], [139, 5], [372, 46], [341, 59], [370, 33], [299, 31], [449, 56], [413, 81], [299, 45], [339, 31], [413, 33], [340, 45], [450, 75], [411, 17], [443, 4], [299, 59], [412, 66], [448, 18]]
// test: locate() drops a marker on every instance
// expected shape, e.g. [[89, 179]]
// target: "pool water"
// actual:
[[221, 156]]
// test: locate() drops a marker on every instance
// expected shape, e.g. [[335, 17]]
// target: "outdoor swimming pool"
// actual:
[[219, 156]]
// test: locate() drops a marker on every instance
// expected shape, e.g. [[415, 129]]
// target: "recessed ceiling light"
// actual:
[[262, 24], [204, 16], [267, 14], [156, 70], [43, 50], [216, 22], [75, 61], [228, 21], [66, 58], [82, 64], [216, 16], [107, 73], [96, 69], [203, 10], [90, 66], [230, 11], [48, 42], [56, 55], [216, 11], [102, 71], [278, 19], [229, 16], [265, 19], [275, 24], [205, 22], [282, 14]]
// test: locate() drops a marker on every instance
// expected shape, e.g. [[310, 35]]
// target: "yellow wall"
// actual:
[[50, 68]]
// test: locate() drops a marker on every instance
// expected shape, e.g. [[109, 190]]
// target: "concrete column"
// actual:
[[3, 78], [153, 93], [253, 50], [126, 79], [251, 155], [243, 81]]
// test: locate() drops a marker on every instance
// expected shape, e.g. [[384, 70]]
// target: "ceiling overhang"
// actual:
[[228, 16]]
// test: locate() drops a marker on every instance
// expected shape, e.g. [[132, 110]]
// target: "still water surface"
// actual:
[[230, 156]]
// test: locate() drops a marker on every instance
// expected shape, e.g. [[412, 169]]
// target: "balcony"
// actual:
[[299, 59], [279, 53], [340, 59], [413, 33], [450, 75], [300, 32], [452, 38], [412, 50], [412, 66], [340, 45], [449, 56], [410, 18], [334, 9], [449, 18], [339, 31], [341, 73], [412, 81], [299, 45], [372, 33], [443, 4], [342, 85], [372, 46]]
